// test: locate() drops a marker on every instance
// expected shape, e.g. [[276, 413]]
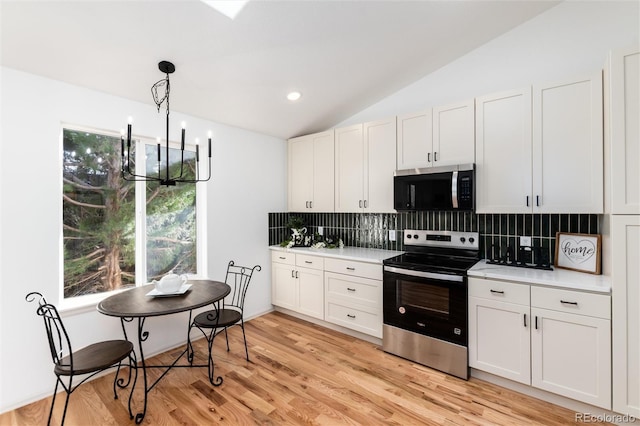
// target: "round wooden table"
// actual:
[[135, 303]]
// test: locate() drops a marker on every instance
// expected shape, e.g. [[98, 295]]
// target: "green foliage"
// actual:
[[295, 222]]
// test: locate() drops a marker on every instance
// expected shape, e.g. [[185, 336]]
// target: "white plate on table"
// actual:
[[178, 292]]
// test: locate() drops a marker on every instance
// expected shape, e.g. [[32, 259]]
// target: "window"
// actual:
[[111, 226]]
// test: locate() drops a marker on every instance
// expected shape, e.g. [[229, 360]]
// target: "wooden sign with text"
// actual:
[[578, 252]]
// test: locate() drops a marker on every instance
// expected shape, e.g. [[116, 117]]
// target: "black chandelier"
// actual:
[[167, 180]]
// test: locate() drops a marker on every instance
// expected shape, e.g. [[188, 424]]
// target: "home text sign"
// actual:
[[579, 252]]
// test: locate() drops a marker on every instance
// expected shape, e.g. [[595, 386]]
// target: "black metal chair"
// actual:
[[232, 311], [87, 361]]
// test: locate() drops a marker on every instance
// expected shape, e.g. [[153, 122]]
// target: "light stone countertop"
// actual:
[[359, 254], [560, 278]]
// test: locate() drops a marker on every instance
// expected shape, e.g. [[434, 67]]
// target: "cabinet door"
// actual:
[[311, 292], [499, 338], [323, 172], [571, 356], [454, 134], [503, 152], [380, 164], [414, 140], [349, 169], [625, 241], [568, 146], [300, 180], [624, 79], [284, 291]]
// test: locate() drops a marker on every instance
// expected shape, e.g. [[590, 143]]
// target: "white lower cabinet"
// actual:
[[298, 283], [343, 292], [556, 340], [353, 294], [499, 322]]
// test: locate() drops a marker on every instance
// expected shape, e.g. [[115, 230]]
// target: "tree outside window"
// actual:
[[99, 218]]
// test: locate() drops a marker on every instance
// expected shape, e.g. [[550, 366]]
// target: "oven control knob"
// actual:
[[409, 236], [471, 240], [415, 236], [462, 239]]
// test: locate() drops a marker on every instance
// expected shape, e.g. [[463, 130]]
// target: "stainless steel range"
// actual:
[[425, 299]]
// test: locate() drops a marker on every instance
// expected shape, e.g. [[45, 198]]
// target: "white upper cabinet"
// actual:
[[311, 173], [414, 140], [503, 152], [349, 169], [568, 146], [380, 164], [454, 134], [365, 162], [623, 86], [542, 159], [436, 137]]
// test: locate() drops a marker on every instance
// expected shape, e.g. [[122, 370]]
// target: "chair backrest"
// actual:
[[238, 278], [58, 339]]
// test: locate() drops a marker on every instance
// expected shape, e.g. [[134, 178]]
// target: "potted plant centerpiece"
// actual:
[[298, 230]]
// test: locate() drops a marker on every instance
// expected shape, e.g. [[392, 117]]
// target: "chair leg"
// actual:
[[226, 336], [53, 401], [66, 404], [246, 349], [115, 380]]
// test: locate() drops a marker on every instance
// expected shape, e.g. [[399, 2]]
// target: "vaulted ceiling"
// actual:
[[342, 55]]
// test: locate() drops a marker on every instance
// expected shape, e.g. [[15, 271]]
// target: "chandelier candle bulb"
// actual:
[[184, 125]]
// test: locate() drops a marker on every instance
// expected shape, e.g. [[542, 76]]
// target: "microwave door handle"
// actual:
[[454, 189]]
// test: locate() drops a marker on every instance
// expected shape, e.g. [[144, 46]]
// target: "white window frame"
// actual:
[[87, 303]]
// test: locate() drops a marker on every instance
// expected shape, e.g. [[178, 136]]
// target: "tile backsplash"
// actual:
[[497, 231]]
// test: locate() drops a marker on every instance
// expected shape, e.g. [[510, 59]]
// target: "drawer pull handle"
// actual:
[[350, 268], [293, 274], [536, 322], [564, 302], [308, 261], [281, 257], [496, 291], [351, 316], [421, 324], [525, 320], [351, 289]]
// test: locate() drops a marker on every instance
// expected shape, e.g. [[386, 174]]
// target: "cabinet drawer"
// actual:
[[353, 290], [350, 267], [499, 290], [306, 261], [575, 302], [283, 257], [365, 321]]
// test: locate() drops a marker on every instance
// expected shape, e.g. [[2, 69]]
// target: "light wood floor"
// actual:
[[301, 373]]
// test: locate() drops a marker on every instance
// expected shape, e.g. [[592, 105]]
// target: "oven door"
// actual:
[[428, 303]]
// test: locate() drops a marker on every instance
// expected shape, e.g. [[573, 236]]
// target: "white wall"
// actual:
[[249, 180], [570, 39]]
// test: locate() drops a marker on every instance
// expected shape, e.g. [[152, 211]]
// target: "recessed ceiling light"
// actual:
[[294, 96]]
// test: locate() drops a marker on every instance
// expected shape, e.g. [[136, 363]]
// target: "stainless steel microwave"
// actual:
[[437, 188]]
